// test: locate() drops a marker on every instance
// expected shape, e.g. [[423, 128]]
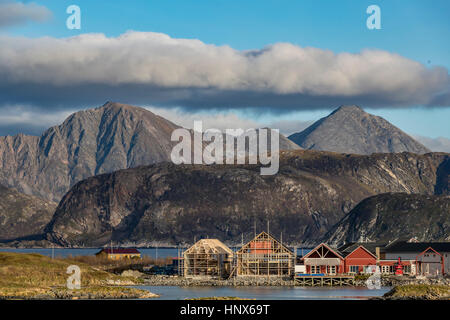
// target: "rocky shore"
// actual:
[[386, 281], [96, 293], [161, 280]]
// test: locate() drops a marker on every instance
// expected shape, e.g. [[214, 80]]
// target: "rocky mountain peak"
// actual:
[[349, 129]]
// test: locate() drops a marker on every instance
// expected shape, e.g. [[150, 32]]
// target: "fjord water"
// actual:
[[65, 252], [149, 252], [266, 293]]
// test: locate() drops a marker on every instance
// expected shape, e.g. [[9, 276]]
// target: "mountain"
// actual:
[[111, 137], [21, 215], [390, 216], [89, 142], [169, 204], [349, 129]]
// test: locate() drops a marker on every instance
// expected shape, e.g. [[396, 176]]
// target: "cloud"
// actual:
[[153, 68], [16, 119], [439, 144], [16, 13]]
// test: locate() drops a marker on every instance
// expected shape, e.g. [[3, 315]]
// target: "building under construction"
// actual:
[[264, 256], [207, 258]]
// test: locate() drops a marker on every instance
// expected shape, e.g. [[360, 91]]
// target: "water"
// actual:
[[149, 252], [64, 252], [266, 293]]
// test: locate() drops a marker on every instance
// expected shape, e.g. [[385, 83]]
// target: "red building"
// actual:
[[358, 260], [324, 260]]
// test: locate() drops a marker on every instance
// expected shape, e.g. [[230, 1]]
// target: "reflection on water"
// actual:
[[266, 293]]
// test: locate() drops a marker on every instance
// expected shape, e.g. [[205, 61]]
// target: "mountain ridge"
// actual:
[[349, 129], [167, 203], [89, 142], [385, 217]]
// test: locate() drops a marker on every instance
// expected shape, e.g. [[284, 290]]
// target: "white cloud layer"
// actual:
[[439, 144], [155, 61], [14, 13]]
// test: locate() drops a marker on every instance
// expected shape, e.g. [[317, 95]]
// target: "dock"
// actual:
[[325, 280]]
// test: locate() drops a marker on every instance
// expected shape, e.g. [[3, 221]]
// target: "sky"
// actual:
[[248, 63]]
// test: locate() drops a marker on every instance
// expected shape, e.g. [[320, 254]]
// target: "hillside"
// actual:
[[170, 204], [390, 216], [349, 129], [21, 215], [111, 137]]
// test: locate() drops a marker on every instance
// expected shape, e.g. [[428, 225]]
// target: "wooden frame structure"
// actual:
[[207, 258], [423, 264], [264, 256]]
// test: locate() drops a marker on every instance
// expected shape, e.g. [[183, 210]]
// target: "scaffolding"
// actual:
[[207, 258], [265, 256]]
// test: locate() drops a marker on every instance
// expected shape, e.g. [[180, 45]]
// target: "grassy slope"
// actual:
[[34, 275], [419, 291]]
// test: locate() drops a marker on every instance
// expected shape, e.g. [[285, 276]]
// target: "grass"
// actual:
[[420, 291], [104, 263], [31, 275]]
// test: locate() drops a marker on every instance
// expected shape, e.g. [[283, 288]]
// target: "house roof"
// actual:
[[352, 246], [403, 246], [119, 251], [209, 246], [363, 248], [264, 236], [335, 251]]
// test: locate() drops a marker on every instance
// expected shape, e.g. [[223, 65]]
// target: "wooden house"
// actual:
[[119, 253], [207, 258], [324, 260], [422, 258], [359, 257], [264, 256]]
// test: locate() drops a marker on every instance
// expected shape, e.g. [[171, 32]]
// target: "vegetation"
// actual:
[[37, 276], [419, 291], [118, 266]]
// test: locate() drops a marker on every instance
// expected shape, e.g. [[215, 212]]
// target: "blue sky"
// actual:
[[418, 30]]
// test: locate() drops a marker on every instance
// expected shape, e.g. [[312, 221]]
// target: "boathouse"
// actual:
[[264, 256], [422, 258], [359, 257], [207, 258], [119, 253], [324, 260]]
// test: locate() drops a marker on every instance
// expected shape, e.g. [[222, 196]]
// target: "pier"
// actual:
[[325, 280]]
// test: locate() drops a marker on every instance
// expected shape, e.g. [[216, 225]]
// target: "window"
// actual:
[[315, 269], [331, 269], [354, 269], [385, 269]]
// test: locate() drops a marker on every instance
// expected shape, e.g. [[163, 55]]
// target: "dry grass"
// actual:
[[104, 263], [420, 291], [28, 275]]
